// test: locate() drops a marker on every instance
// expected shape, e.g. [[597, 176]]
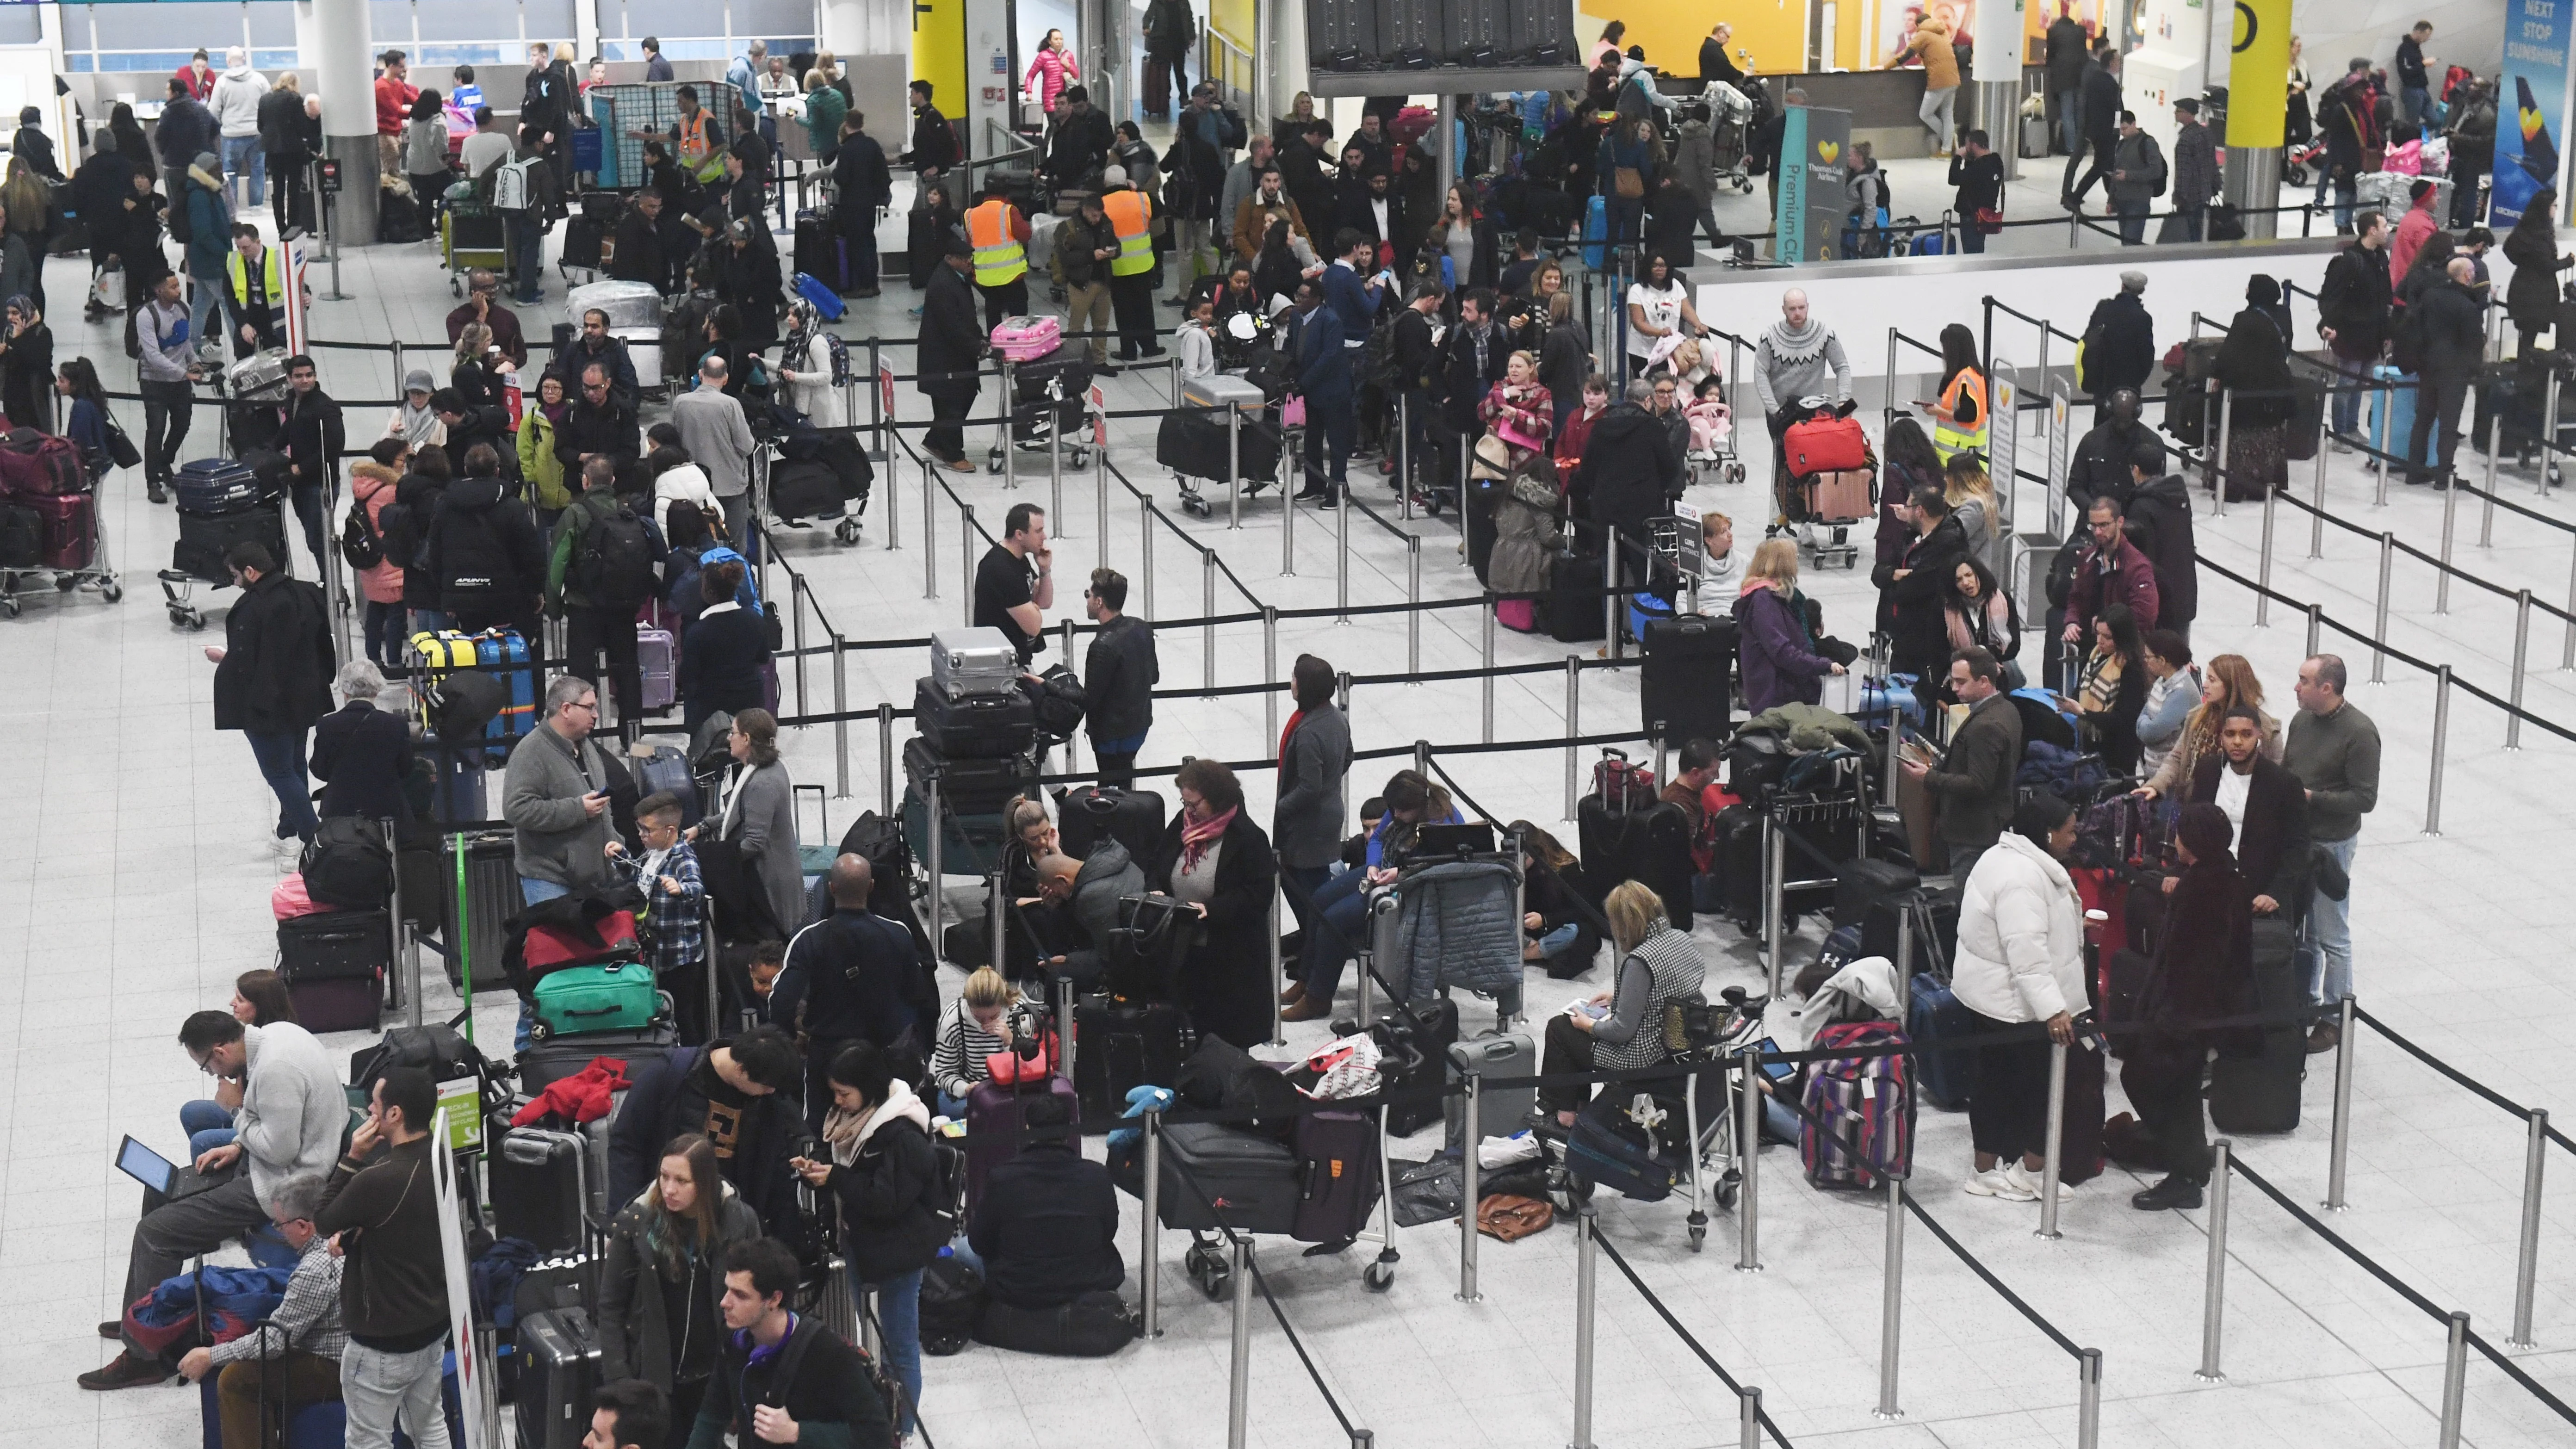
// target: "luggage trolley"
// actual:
[[1827, 482], [1205, 446], [1049, 396], [1265, 1185], [1730, 133], [74, 547]]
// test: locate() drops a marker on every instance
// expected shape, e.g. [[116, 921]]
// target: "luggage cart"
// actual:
[[471, 236], [1048, 399], [1730, 132], [1708, 1105], [1195, 446], [94, 572]]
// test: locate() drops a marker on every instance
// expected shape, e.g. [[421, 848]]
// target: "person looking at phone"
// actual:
[[555, 796], [1622, 1028]]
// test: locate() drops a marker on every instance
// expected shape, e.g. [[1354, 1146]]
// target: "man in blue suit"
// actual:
[[1324, 379]]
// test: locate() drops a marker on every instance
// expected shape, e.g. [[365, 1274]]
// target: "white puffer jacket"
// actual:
[[2021, 935]]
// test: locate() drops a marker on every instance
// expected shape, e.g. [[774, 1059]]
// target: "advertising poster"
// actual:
[[1897, 23], [2531, 107], [2258, 75], [1814, 195]]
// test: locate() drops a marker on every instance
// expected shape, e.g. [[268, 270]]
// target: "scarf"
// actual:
[[1289, 733], [1197, 836], [848, 1132], [1804, 345], [418, 423]]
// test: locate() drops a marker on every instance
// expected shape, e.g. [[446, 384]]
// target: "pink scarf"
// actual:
[[1197, 835]]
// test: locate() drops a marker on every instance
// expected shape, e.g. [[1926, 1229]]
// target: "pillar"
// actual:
[[344, 69], [1283, 59], [1997, 74], [585, 31], [308, 46], [865, 27], [2257, 104]]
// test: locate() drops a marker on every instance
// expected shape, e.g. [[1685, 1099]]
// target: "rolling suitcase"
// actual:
[[538, 1180], [558, 1352], [2392, 415], [1125, 1045], [974, 726], [612, 996], [1837, 495], [973, 661], [216, 485], [68, 528], [491, 899], [1479, 32], [1947, 1078], [1254, 1177], [993, 1125], [333, 963], [1862, 883], [1537, 34], [22, 536], [2034, 137], [1133, 818], [820, 252], [1683, 688], [1610, 1148], [1420, 32], [1499, 1110], [664, 769], [969, 786], [1570, 610], [547, 1062], [657, 665], [204, 539], [1342, 34], [1650, 846], [1337, 1161], [1414, 1042], [1858, 1120], [2260, 1092], [585, 244]]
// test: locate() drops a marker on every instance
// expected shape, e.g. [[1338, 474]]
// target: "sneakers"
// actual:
[[125, 1371], [1998, 1183], [2325, 1036], [156, 493], [2028, 1182], [2173, 1193]]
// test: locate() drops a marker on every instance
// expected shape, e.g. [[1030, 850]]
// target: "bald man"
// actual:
[[853, 976], [2448, 325], [1081, 905]]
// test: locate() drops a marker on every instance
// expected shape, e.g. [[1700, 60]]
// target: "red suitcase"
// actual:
[[33, 464], [1825, 442], [71, 526]]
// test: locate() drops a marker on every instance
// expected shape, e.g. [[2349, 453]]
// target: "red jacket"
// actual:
[[2130, 580], [393, 104], [198, 90], [2412, 228]]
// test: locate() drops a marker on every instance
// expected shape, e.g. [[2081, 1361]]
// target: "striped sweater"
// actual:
[[958, 1052]]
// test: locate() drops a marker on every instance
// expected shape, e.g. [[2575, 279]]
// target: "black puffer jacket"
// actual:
[[2159, 523], [276, 671], [891, 1218], [1625, 465], [483, 550], [1123, 670]]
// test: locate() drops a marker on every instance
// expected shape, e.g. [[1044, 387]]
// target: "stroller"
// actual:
[[1731, 120]]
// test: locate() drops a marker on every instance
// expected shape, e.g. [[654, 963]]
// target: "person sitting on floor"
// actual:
[[1046, 1223], [294, 1356]]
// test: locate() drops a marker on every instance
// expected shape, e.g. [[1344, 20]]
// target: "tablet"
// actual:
[[1776, 1071], [146, 1166]]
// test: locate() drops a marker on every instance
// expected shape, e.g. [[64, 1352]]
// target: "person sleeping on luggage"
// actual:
[[1046, 1223]]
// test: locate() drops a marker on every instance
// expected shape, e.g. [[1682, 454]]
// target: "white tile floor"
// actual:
[[133, 889]]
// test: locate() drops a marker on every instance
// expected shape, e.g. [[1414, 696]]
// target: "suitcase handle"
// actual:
[[593, 1011]]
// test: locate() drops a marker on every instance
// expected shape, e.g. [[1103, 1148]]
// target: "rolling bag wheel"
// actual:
[[847, 530], [111, 591], [993, 460], [1730, 1187], [65, 583], [1698, 1230], [1198, 507], [1380, 1275], [1210, 1271]]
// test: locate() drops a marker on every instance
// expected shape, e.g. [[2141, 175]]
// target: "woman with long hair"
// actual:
[[27, 365], [2111, 685], [126, 138], [1337, 918], [1780, 662], [2203, 971], [2227, 684], [1564, 352], [424, 156], [1982, 614], [1464, 235], [883, 1175], [1906, 462], [663, 1277], [1050, 71], [1971, 495], [1622, 1029], [77, 381], [259, 999], [1959, 420], [1556, 922]]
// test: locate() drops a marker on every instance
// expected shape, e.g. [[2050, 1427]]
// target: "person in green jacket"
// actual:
[[594, 625], [537, 461], [825, 109]]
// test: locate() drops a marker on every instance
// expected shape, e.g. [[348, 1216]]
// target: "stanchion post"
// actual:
[[1234, 465], [885, 758], [2316, 629], [1413, 614], [1238, 1399], [1010, 410], [2054, 1164], [1064, 1024], [1748, 1416], [1207, 611], [1278, 971], [876, 405], [2218, 455], [2441, 732], [2455, 1365], [937, 832], [1100, 500], [2317, 499], [1485, 632], [1342, 559], [2526, 1271], [1270, 671], [1586, 1227], [1775, 859], [993, 925], [2567, 644], [1573, 726], [929, 535], [1887, 414], [1149, 1266], [1404, 449], [1055, 468], [2379, 628], [2214, 1289], [1473, 1134], [2088, 1399], [966, 556], [1610, 590], [2339, 1150], [2450, 512], [840, 715], [2387, 441], [2486, 507], [2548, 434], [893, 510], [1748, 1154], [1891, 1309], [2521, 648], [2263, 568]]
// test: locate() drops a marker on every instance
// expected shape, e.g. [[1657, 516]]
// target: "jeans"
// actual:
[[1336, 924], [1971, 241], [2070, 120], [899, 1316], [378, 1387], [173, 1230], [2133, 222], [1938, 116], [167, 408], [385, 632], [1555, 942], [2330, 926], [1118, 759], [205, 310], [2415, 103], [533, 890], [2344, 199], [2191, 218], [2350, 373], [208, 1123], [243, 157], [945, 440], [281, 763]]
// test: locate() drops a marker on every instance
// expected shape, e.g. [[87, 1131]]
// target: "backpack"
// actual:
[[398, 533], [1230, 128], [2164, 172], [360, 544], [613, 562], [2406, 349]]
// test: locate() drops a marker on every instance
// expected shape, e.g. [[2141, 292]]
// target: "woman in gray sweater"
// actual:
[[1314, 755], [1656, 964], [756, 810]]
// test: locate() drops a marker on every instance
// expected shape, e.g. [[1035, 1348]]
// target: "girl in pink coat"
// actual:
[[1051, 71]]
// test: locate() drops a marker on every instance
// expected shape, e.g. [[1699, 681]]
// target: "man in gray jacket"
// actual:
[[1306, 825], [555, 796], [718, 437], [2195, 167], [2137, 175]]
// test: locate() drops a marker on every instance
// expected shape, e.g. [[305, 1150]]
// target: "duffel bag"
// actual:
[[617, 996], [348, 866]]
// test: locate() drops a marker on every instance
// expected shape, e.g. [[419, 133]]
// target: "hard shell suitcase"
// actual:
[[1342, 34], [585, 244], [2260, 1092], [614, 996], [558, 1353], [1414, 1041], [1838, 495], [69, 528], [1570, 610], [975, 726], [2034, 137], [540, 1192], [1947, 1078], [658, 666], [2391, 429], [1123, 1045], [1337, 1188], [1420, 33], [1479, 32], [1650, 846], [973, 661], [333, 963], [1027, 339], [216, 485], [826, 296], [22, 537], [1538, 34], [993, 1126], [1133, 818], [1683, 688], [1499, 1110], [1862, 883], [974, 786], [664, 769], [628, 304], [491, 899], [544, 1063], [205, 538]]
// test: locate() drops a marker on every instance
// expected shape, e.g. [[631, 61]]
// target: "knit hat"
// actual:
[[2203, 829], [208, 162], [1113, 176]]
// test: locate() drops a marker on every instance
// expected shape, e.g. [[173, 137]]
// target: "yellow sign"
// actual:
[[1826, 151], [939, 52], [2258, 76]]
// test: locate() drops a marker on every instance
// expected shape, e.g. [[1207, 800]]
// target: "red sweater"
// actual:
[[393, 104], [198, 89]]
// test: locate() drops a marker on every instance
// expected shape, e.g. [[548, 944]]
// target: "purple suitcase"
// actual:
[[658, 667], [993, 1125]]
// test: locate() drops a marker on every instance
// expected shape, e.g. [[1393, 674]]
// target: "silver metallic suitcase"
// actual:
[[966, 662], [628, 304], [260, 377]]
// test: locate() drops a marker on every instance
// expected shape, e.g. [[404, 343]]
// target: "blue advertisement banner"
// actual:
[[2531, 121]]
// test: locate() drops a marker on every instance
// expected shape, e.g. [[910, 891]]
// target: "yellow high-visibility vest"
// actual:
[[1129, 212], [999, 257], [1949, 437], [272, 278]]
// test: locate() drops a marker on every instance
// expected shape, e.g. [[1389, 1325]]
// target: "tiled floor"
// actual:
[[131, 892]]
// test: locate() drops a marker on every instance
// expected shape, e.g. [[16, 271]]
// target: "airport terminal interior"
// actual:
[[138, 885]]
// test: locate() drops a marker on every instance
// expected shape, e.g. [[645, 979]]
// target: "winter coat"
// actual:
[[1780, 663], [1931, 44], [1306, 824], [482, 551], [887, 1191], [1225, 980], [2531, 298], [637, 1340], [2452, 322], [952, 339], [2139, 156], [554, 838], [281, 124], [1972, 787], [2101, 104], [1046, 1226], [2020, 955], [1120, 672], [2413, 229], [275, 677], [759, 816], [2204, 967], [2195, 166], [2100, 467], [1922, 634], [2128, 578], [539, 468], [2353, 300], [2272, 841], [1625, 466], [2159, 526], [663, 1103], [1049, 72], [720, 660], [372, 485]]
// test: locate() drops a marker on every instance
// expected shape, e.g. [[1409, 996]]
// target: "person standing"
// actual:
[[235, 102], [286, 149], [2195, 167], [1131, 282], [2334, 750], [2532, 297], [185, 131], [383, 1215], [2102, 114], [1221, 867], [555, 796], [1171, 32], [2450, 321], [779, 1372], [2353, 318], [883, 1176], [950, 355], [1977, 173], [1324, 381], [717, 437], [210, 242], [1799, 357], [2067, 44], [1000, 233], [314, 440], [1930, 44], [166, 375], [1121, 671], [1015, 582], [2020, 959], [2414, 81], [2203, 970], [273, 676], [933, 148], [866, 187], [1306, 823], [394, 95], [2137, 175], [2119, 354], [1972, 787], [605, 564], [664, 1274], [1085, 246]]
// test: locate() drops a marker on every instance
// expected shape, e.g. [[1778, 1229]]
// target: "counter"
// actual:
[[1885, 105]]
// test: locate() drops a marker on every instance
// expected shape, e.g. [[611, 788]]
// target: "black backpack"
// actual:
[[613, 562], [2407, 348], [348, 865], [360, 544]]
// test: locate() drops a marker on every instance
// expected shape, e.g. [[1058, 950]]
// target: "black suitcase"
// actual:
[[1683, 689], [1255, 1175], [539, 1188], [1133, 818], [1480, 32], [975, 726], [1736, 861], [820, 252], [1936, 923], [1861, 884], [204, 538], [333, 963], [1414, 1042], [1418, 32], [1650, 846], [1570, 611], [558, 1353], [585, 244], [2260, 1092], [217, 486], [492, 897], [544, 1063], [1192, 443], [22, 537], [1536, 35], [1125, 1045], [968, 786], [800, 489], [1343, 34]]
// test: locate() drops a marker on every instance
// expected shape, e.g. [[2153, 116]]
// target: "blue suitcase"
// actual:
[[827, 302], [1609, 1149], [1946, 1078], [1596, 230], [503, 653], [2392, 413], [666, 767], [217, 485]]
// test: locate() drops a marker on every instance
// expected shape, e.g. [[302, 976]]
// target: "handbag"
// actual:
[[1518, 439], [1493, 458], [1292, 413], [1990, 221], [120, 448], [1628, 184]]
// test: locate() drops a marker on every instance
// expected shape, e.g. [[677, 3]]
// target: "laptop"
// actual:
[[157, 1172]]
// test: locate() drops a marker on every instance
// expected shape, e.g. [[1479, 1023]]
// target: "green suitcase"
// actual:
[[612, 996]]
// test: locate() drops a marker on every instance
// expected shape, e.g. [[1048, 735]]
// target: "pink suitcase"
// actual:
[[71, 527], [1838, 495], [658, 669], [1518, 615], [1027, 339]]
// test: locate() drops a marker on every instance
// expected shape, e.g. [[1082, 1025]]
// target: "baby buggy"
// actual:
[[1730, 133]]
